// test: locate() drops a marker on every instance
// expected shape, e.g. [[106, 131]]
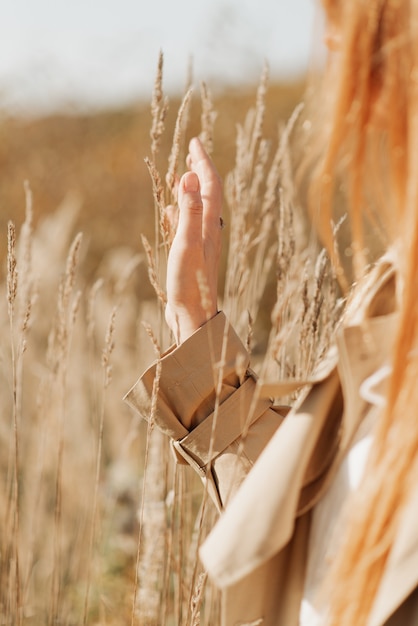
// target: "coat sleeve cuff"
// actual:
[[178, 391], [203, 395]]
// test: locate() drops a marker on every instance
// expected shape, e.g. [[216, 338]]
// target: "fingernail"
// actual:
[[191, 182]]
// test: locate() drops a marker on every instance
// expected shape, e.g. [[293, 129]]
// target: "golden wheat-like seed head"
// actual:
[[11, 266], [152, 273]]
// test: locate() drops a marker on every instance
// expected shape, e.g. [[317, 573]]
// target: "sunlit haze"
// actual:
[[89, 53]]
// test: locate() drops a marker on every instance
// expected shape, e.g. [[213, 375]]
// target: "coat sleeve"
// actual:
[[203, 395]]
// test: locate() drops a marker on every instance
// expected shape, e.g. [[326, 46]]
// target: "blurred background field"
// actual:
[[73, 456], [97, 524], [98, 160]]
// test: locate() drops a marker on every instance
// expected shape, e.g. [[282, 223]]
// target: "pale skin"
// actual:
[[194, 256]]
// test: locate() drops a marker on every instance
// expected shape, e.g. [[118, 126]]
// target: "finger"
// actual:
[[190, 208], [211, 186], [199, 158]]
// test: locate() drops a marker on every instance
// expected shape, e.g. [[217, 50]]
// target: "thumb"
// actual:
[[191, 207]]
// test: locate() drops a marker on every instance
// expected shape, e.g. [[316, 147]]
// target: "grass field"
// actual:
[[97, 524]]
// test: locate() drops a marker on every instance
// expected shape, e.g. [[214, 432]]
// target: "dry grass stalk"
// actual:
[[165, 227], [60, 335], [173, 160], [98, 284], [252, 191], [154, 340], [107, 374], [27, 294], [187, 112], [59, 345], [24, 298], [197, 599], [11, 268], [108, 349], [152, 527], [304, 317], [13, 548], [159, 108], [185, 491], [157, 187], [260, 109], [57, 448], [152, 272], [19, 323], [250, 334], [208, 118], [204, 515]]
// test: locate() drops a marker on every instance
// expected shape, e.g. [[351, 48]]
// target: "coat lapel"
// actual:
[[294, 469], [260, 519]]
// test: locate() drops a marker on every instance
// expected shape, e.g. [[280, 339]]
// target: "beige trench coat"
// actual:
[[220, 422]]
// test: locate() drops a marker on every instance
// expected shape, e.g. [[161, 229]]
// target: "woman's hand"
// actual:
[[192, 272]]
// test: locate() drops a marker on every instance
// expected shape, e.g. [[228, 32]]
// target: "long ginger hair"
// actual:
[[369, 126]]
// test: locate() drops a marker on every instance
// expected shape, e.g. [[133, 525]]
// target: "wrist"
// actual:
[[185, 324]]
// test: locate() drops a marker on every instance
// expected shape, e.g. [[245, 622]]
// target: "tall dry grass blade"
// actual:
[[282, 152], [11, 268], [59, 339], [181, 506], [27, 294], [11, 298], [173, 160], [58, 355], [152, 272], [165, 227], [151, 335], [159, 108], [171, 568], [143, 603], [197, 599], [255, 193], [157, 187], [260, 109], [208, 118], [218, 369], [108, 349], [188, 86], [252, 224], [107, 373], [304, 317], [97, 285]]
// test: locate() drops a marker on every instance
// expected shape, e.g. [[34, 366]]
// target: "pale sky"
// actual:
[[104, 52]]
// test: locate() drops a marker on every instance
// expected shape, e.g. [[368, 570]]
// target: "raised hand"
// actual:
[[193, 262]]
